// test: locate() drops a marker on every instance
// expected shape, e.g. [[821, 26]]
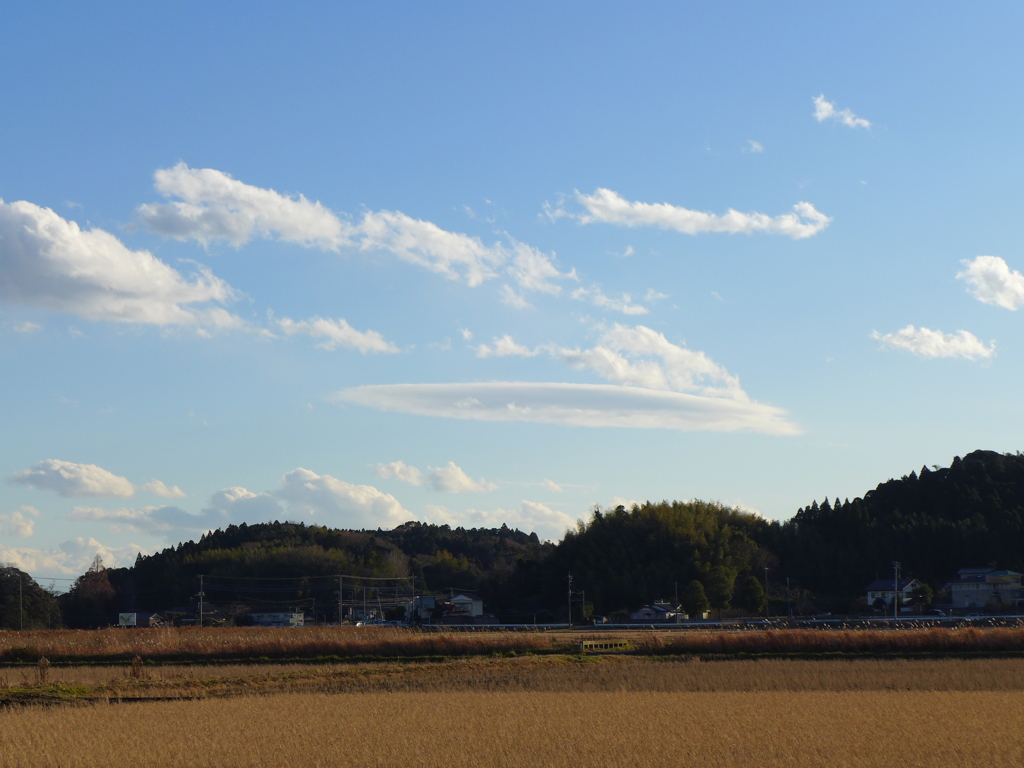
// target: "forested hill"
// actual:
[[486, 560], [934, 522]]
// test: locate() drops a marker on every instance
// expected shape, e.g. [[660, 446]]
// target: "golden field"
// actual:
[[454, 729], [254, 643]]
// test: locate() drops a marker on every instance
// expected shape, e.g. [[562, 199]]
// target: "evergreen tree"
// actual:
[[695, 601], [750, 595]]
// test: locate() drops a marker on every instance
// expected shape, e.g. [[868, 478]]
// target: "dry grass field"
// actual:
[[255, 643], [571, 729], [545, 674]]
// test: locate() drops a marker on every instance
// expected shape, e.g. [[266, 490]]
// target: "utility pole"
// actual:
[[766, 592], [896, 590], [570, 601], [21, 600], [341, 613], [201, 596], [789, 600]]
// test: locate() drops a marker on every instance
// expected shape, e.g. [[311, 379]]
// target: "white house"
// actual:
[[986, 587], [885, 589], [463, 606]]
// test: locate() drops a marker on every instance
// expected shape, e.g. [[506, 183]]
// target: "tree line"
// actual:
[[704, 555]]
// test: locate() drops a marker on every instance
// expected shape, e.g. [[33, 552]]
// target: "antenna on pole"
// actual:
[[570, 601], [766, 592], [201, 596], [896, 590]]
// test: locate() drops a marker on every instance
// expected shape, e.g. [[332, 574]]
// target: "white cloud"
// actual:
[[754, 146], [159, 488], [73, 480], [533, 270], [27, 327], [530, 517], [608, 207], [49, 262], [598, 299], [71, 558], [239, 504], [551, 486], [337, 333], [399, 470], [451, 479], [214, 206], [653, 295], [466, 334], [587, 405], [654, 380], [458, 256], [927, 343], [990, 280], [454, 255], [336, 502], [623, 357], [173, 523], [19, 523], [826, 110], [505, 347], [512, 299]]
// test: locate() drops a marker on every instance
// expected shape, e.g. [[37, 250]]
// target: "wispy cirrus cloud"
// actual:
[[927, 343], [49, 262], [826, 110], [990, 280], [608, 207]]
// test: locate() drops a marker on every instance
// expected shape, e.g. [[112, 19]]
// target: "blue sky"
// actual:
[[473, 264]]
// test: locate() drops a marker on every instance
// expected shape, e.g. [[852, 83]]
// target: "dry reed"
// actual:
[[541, 674], [255, 642], [252, 643], [766, 729]]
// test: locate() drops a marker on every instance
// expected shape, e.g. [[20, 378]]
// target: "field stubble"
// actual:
[[455, 729]]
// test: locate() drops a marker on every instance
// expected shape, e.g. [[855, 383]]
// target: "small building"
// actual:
[[886, 589], [278, 618], [663, 611], [986, 588], [462, 606], [423, 607]]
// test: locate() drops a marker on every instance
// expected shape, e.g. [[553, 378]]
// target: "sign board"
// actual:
[[126, 619]]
